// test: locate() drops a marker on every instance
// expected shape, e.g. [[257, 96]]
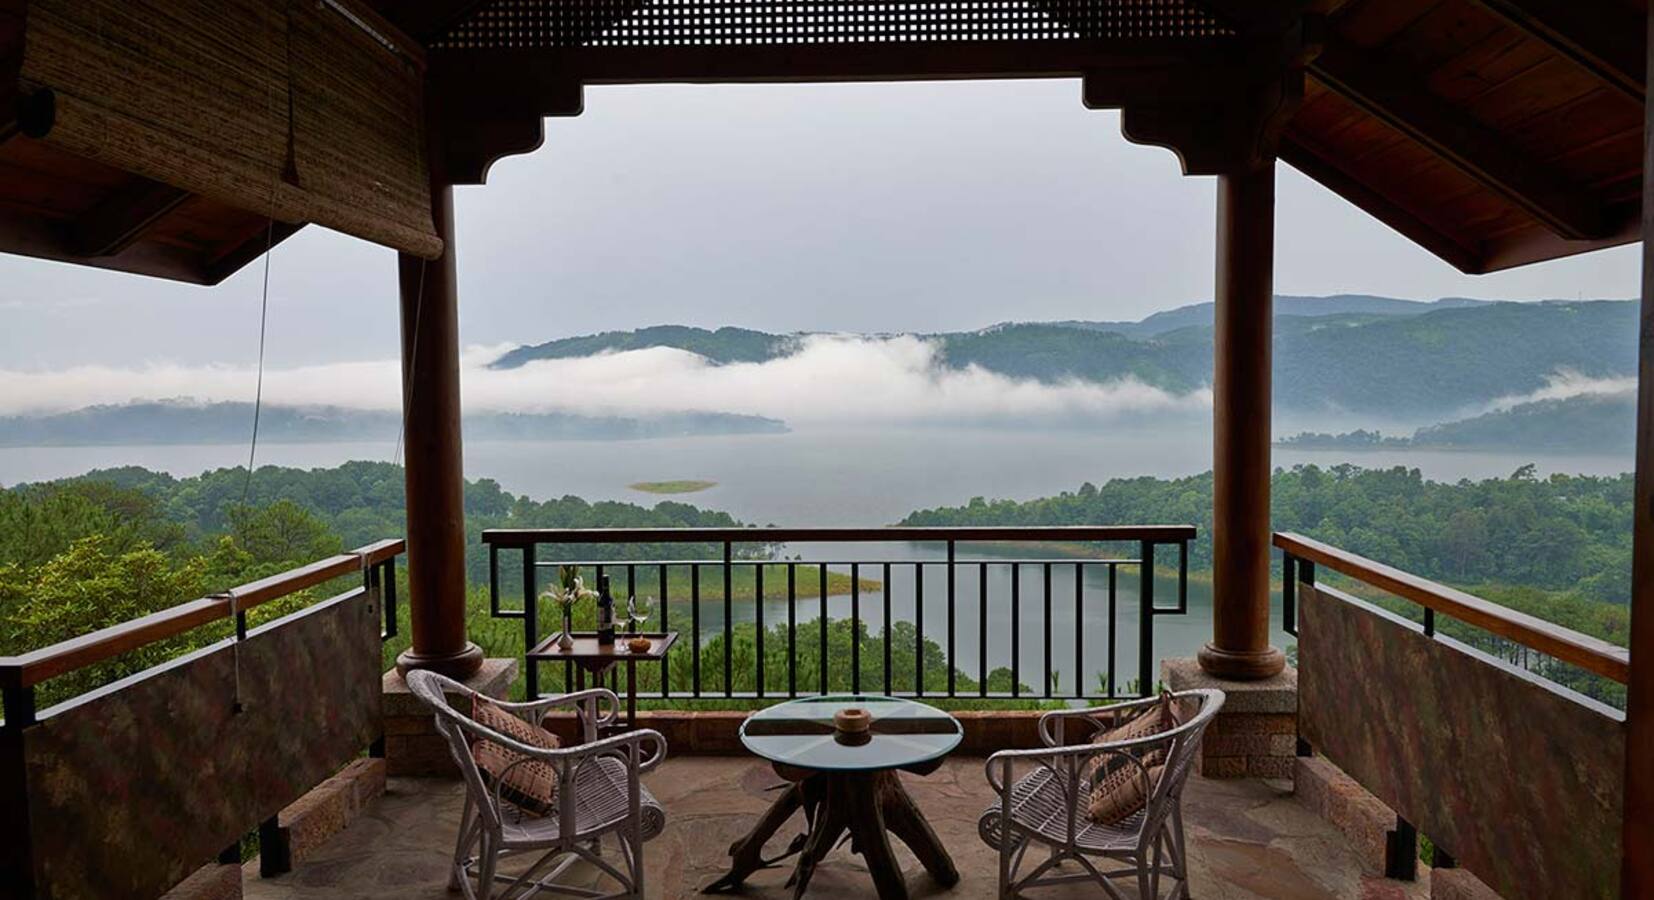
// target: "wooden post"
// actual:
[[434, 471], [1637, 836], [1240, 428]]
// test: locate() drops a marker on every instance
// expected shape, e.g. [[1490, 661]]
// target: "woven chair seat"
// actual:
[[600, 804], [1039, 804]]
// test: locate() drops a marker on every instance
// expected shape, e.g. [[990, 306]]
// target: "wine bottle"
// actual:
[[605, 613]]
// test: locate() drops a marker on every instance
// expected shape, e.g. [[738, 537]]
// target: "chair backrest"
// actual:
[[459, 729], [1181, 744]]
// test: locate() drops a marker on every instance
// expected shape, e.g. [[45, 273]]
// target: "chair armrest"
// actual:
[[536, 710], [1049, 757], [1052, 722]]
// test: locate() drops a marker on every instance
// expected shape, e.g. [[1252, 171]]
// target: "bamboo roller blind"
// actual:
[[285, 108]]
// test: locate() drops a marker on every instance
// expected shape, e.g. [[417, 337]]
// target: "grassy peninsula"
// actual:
[[682, 486]]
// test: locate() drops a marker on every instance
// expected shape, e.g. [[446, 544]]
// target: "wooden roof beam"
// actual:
[[123, 217], [1605, 39], [1313, 163], [1402, 100]]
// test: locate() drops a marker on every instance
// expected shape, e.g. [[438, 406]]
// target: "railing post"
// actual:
[[855, 628], [918, 629], [1145, 629], [1401, 851], [758, 626], [1289, 593], [1306, 577], [952, 664], [729, 619], [19, 699], [16, 853], [387, 597], [531, 623], [274, 856]]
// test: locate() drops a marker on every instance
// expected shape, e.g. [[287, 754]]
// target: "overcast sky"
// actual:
[[887, 207]]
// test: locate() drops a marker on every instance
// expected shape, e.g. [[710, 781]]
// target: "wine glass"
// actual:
[[638, 611]]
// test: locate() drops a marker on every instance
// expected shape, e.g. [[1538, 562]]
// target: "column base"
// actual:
[[1241, 665], [458, 666], [412, 744], [1255, 735]]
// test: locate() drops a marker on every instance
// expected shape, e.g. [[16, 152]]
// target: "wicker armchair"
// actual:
[[1047, 804], [599, 792]]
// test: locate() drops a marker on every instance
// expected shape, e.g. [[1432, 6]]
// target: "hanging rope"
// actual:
[[263, 321], [285, 170], [413, 364]]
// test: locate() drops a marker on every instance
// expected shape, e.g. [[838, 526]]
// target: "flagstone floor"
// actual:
[[1248, 839]]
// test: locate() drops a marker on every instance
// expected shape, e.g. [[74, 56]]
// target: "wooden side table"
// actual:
[[589, 656]]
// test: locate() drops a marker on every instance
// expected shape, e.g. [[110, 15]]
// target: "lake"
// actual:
[[845, 477], [840, 477]]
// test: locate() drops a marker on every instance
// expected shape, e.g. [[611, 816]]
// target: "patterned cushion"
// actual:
[[1117, 783], [1122, 792], [530, 785]]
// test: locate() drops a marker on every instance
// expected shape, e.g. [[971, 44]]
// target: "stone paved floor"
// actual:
[[1249, 839]]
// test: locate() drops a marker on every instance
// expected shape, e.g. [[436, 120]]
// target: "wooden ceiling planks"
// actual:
[[290, 111], [1543, 89], [1551, 150], [1600, 37]]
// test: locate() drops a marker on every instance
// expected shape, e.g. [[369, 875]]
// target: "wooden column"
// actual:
[[1637, 838], [1240, 428], [433, 456]]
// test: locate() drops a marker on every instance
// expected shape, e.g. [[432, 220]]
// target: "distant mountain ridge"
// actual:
[[1201, 314], [1592, 423], [1350, 353], [188, 422]]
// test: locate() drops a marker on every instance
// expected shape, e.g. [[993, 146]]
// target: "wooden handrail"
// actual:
[[1589, 653], [522, 537], [79, 652]]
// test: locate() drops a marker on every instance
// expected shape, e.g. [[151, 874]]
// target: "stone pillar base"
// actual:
[[412, 745], [1256, 733]]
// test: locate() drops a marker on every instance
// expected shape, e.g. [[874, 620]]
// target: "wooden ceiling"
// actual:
[[1493, 133], [56, 205]]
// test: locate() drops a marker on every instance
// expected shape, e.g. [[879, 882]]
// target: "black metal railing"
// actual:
[[846, 631]]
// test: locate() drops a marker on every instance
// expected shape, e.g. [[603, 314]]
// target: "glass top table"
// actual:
[[847, 782], [801, 733]]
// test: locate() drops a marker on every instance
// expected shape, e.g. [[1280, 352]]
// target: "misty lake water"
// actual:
[[845, 477]]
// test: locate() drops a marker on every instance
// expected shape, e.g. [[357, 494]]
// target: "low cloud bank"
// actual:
[[829, 380], [1565, 384]]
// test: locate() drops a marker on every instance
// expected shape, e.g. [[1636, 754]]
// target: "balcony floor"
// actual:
[[1248, 839]]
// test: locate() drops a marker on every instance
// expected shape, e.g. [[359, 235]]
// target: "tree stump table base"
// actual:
[[869, 806]]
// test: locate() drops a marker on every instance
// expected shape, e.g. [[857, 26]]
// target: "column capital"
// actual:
[[1221, 115]]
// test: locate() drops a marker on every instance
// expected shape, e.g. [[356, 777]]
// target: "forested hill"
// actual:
[[726, 345], [350, 505], [1595, 423], [1564, 533], [1354, 354]]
